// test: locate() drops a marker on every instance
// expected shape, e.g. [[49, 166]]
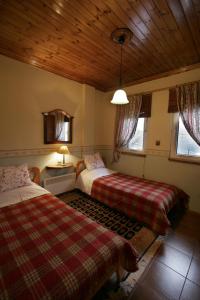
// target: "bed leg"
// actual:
[[120, 274]]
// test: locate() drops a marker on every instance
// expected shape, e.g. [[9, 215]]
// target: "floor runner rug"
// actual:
[[145, 241], [129, 228]]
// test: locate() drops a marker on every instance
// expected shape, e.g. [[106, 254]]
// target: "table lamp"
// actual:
[[63, 150]]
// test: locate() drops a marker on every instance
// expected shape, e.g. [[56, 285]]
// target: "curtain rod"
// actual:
[[162, 89]]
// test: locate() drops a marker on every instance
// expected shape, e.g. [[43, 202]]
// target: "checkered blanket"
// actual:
[[48, 250], [147, 201]]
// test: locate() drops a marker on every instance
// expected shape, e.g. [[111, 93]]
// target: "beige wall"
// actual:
[[26, 92], [156, 164], [104, 119]]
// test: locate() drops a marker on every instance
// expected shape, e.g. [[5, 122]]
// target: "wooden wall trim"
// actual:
[[159, 76]]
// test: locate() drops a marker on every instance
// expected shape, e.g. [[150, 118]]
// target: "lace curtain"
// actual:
[[126, 124], [188, 101]]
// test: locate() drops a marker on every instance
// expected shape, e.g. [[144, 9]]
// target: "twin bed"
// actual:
[[147, 201], [48, 250]]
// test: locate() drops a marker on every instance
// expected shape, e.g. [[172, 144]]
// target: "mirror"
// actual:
[[57, 127]]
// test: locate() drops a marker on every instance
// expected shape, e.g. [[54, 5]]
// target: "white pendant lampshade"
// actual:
[[119, 36], [119, 97]]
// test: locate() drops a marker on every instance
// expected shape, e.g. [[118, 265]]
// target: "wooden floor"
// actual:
[[174, 273]]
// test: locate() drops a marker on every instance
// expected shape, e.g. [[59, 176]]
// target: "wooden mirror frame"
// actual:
[[49, 130]]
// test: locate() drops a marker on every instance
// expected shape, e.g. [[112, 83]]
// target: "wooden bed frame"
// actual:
[[80, 167], [34, 173]]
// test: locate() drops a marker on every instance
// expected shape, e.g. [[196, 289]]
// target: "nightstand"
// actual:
[[58, 167], [58, 183]]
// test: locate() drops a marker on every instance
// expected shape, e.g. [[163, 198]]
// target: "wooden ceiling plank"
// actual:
[[169, 26], [164, 39], [89, 57], [193, 22], [109, 45], [154, 72], [123, 4], [179, 17], [134, 70], [33, 57], [98, 13], [113, 45], [72, 38], [133, 45], [51, 68], [143, 41], [75, 46], [178, 35], [126, 47], [89, 32], [144, 58], [132, 12], [131, 48]]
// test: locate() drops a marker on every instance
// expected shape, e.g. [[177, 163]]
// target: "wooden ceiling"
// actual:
[[72, 37]]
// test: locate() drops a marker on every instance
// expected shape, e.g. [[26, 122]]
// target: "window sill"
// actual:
[[133, 152], [186, 160]]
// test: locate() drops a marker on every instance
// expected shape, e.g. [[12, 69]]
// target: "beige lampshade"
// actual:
[[63, 150]]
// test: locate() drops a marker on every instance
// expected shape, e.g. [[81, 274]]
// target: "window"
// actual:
[[137, 142], [183, 146]]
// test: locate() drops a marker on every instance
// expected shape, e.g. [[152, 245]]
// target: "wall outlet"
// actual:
[[157, 143]]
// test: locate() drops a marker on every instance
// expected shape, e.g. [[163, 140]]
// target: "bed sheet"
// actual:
[[86, 177], [21, 194]]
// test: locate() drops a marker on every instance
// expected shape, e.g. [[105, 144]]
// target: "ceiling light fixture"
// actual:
[[120, 36]]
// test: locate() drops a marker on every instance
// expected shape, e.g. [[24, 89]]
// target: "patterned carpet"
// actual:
[[106, 216], [144, 240], [135, 232]]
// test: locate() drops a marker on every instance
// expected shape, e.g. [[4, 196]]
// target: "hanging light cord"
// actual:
[[120, 72]]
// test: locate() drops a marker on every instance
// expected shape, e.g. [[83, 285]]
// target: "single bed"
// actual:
[[146, 200], [48, 250]]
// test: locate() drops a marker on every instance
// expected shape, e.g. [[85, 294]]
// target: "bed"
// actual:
[[48, 250], [146, 200]]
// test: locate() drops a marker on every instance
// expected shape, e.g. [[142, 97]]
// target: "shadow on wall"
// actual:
[[54, 99]]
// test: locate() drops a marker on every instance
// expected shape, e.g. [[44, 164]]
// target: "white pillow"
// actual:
[[93, 161], [12, 177]]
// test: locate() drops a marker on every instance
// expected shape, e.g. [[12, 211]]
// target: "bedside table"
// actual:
[[65, 166], [58, 184]]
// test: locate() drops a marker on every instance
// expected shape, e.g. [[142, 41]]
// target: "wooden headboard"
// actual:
[[80, 167], [35, 174]]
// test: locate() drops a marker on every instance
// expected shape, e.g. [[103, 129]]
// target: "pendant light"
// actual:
[[120, 36]]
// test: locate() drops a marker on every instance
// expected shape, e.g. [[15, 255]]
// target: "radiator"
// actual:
[[60, 184]]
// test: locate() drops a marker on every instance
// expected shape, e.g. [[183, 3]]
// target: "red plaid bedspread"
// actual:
[[147, 201], [48, 250]]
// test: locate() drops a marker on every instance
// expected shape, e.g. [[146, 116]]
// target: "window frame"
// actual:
[[174, 143], [142, 152]]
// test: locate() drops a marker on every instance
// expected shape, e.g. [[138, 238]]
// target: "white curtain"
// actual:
[[126, 123], [59, 125], [188, 101]]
